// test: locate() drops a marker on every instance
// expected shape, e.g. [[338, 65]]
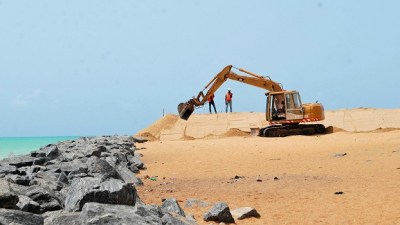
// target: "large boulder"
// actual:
[[117, 158], [47, 180], [26, 204], [47, 199], [136, 162], [67, 167], [171, 205], [96, 213], [17, 179], [102, 167], [94, 150], [112, 191], [52, 151], [21, 161], [10, 216], [128, 176], [8, 199], [40, 160], [219, 213], [6, 169]]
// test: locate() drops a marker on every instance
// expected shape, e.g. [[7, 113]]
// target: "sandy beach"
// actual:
[[291, 180]]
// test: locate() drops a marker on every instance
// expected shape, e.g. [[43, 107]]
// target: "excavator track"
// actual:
[[291, 129]]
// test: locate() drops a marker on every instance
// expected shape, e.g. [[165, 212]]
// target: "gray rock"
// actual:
[[94, 150], [191, 202], [9, 216], [171, 205], [63, 178], [62, 217], [128, 176], [139, 139], [26, 204], [11, 155], [21, 160], [8, 199], [175, 219], [40, 161], [134, 169], [136, 162], [47, 199], [122, 139], [148, 210], [52, 151], [244, 212], [100, 166], [47, 180], [77, 174], [111, 191], [339, 155], [190, 218], [31, 170], [95, 213], [5, 169], [119, 158], [40, 154], [220, 213], [138, 154], [18, 189], [67, 167], [17, 179], [105, 154], [139, 201], [68, 156], [34, 153]]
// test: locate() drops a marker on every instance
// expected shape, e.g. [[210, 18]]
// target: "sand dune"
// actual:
[[170, 127]]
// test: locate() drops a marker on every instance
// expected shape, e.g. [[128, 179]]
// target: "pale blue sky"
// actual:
[[106, 67]]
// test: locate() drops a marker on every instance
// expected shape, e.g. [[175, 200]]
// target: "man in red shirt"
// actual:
[[211, 102], [228, 100]]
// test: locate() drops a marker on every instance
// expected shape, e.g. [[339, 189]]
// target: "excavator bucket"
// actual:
[[185, 110]]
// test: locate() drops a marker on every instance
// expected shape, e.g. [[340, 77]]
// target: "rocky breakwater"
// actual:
[[90, 180]]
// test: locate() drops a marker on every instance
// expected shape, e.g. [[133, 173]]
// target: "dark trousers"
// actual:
[[212, 103]]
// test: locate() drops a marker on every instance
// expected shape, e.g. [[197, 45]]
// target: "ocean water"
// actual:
[[24, 145]]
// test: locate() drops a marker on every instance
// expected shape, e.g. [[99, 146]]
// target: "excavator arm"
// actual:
[[187, 108]]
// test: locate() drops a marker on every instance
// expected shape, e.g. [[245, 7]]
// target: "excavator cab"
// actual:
[[284, 106]]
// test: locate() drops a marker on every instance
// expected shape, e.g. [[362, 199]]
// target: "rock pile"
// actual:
[[90, 180]]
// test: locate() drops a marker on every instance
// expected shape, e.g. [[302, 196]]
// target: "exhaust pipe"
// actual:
[[185, 110]]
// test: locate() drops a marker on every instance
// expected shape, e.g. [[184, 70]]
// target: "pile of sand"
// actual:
[[152, 132], [233, 132]]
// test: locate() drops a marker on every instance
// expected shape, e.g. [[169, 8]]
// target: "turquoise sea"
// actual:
[[24, 145]]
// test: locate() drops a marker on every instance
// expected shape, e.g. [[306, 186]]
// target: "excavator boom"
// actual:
[[187, 108]]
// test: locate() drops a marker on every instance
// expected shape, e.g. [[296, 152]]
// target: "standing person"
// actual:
[[211, 102], [228, 100]]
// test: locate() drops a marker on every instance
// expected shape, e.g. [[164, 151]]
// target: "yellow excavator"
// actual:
[[285, 112]]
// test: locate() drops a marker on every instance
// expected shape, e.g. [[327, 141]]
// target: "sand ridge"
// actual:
[[199, 126]]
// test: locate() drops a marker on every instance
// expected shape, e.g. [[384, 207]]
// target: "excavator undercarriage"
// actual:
[[291, 129]]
